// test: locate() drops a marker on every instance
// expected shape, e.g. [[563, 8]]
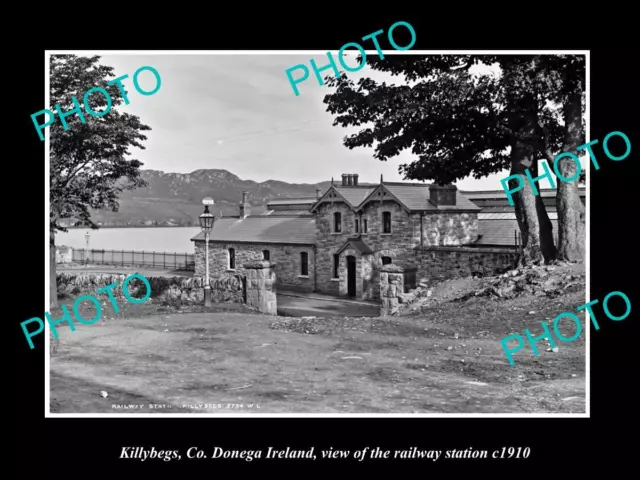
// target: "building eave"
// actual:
[[261, 242]]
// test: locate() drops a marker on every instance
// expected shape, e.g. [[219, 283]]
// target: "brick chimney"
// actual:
[[355, 179], [442, 195], [244, 207], [318, 193], [344, 179]]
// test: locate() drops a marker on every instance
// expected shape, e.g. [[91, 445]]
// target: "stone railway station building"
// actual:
[[337, 242]]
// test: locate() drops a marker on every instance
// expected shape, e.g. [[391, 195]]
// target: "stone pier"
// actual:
[[261, 286], [391, 286]]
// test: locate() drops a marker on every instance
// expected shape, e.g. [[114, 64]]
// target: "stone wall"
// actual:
[[287, 257], [439, 263], [64, 254], [407, 233], [226, 289], [328, 242], [398, 244], [261, 286], [391, 287], [442, 229]]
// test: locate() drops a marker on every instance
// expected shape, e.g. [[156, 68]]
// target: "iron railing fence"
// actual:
[[175, 260]]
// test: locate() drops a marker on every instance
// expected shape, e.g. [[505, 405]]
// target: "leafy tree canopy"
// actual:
[[456, 119], [90, 163]]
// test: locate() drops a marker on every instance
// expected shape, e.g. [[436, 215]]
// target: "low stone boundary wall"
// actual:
[[190, 290], [442, 263], [64, 254]]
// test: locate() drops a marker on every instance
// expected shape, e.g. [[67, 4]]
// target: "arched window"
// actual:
[[232, 259], [337, 222], [386, 260], [266, 255], [386, 222]]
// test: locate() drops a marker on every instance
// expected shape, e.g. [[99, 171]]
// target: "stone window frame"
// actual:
[[390, 222], [382, 259], [266, 255], [337, 222], [304, 265], [356, 225], [384, 253], [364, 221], [231, 263], [336, 267]]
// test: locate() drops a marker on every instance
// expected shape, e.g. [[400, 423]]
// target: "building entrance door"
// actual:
[[351, 275]]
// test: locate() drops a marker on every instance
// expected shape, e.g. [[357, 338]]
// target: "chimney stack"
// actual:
[[349, 179], [318, 193], [442, 194], [244, 207]]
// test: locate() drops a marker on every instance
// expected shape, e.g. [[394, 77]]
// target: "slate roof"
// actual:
[[355, 243], [501, 231], [286, 212], [263, 229], [413, 196], [496, 219], [416, 197], [293, 201], [355, 195], [501, 194], [507, 215]]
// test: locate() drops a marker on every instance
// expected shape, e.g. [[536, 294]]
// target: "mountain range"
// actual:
[[175, 199]]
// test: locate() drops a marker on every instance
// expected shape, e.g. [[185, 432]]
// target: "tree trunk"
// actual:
[[53, 284], [526, 212], [549, 251], [571, 211], [531, 213]]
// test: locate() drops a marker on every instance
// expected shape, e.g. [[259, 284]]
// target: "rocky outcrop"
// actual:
[[549, 281]]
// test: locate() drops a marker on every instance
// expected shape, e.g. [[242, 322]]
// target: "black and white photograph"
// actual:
[[309, 233]]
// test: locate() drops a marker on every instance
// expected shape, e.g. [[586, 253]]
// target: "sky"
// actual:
[[239, 113]]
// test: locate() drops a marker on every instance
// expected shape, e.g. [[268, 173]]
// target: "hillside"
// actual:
[[175, 198]]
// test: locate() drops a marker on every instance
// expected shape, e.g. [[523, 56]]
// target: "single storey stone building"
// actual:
[[337, 241]]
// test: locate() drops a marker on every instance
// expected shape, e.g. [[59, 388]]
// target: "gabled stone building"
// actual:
[[360, 228], [336, 242]]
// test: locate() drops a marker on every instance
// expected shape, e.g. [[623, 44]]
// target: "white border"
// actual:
[[47, 406]]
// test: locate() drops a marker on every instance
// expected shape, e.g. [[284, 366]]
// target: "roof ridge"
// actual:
[[259, 215]]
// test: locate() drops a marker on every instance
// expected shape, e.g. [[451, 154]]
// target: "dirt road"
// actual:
[[448, 359]]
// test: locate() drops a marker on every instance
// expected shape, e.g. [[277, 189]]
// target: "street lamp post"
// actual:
[[206, 223], [86, 256]]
